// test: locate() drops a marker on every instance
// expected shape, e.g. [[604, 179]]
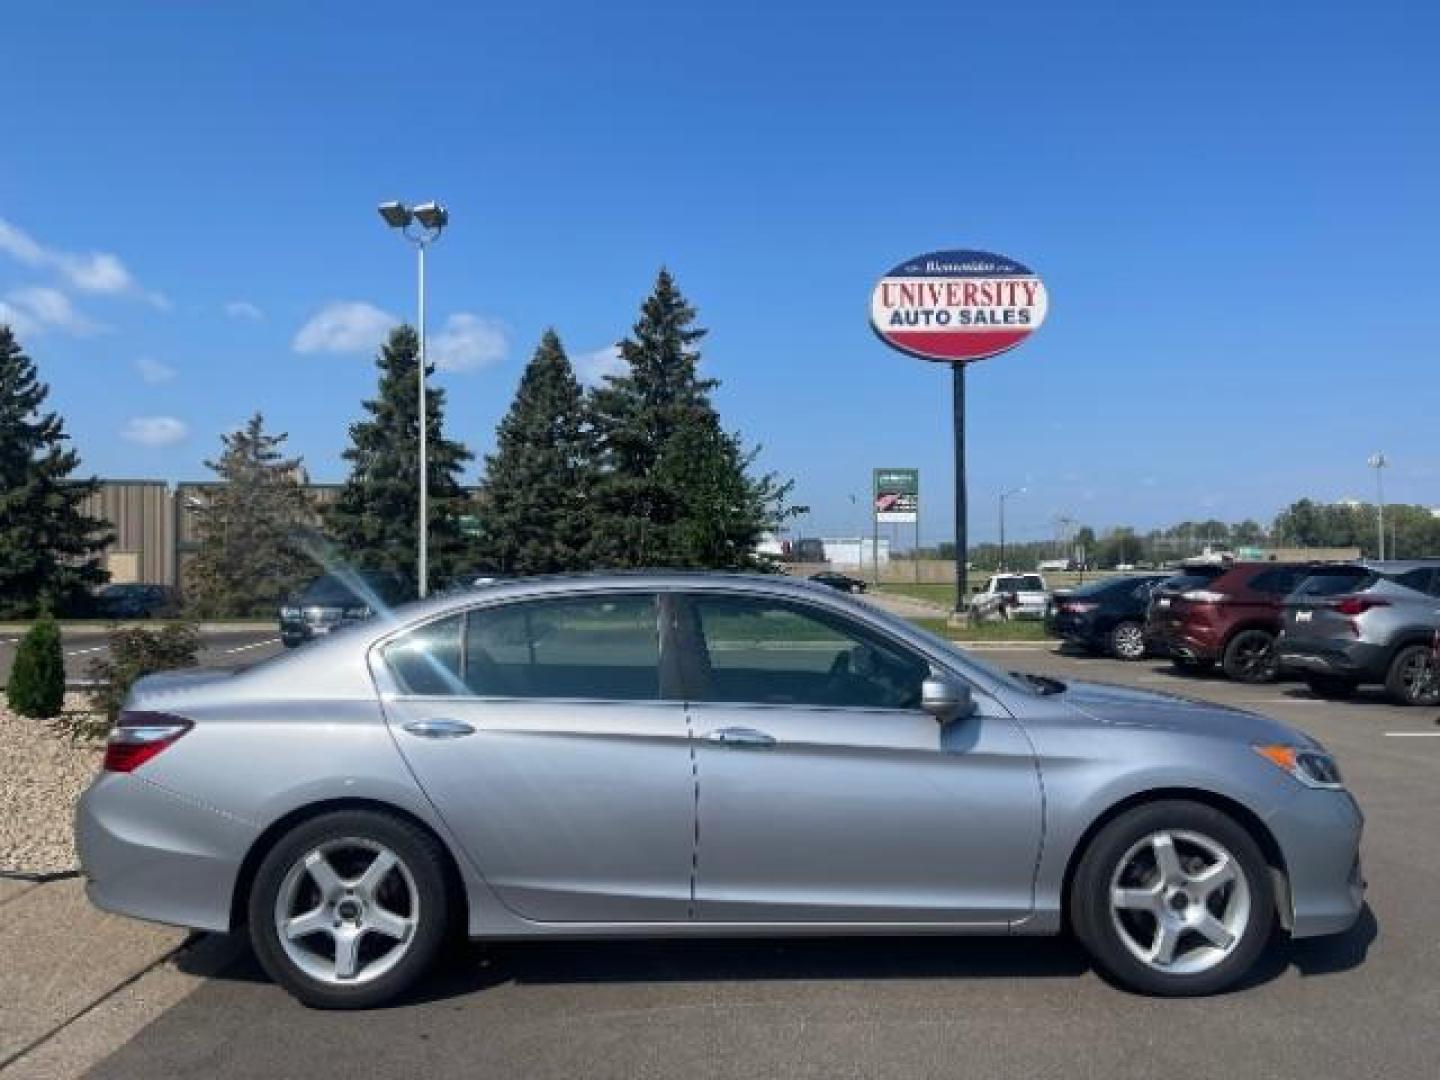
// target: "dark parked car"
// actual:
[[135, 600], [1227, 613], [1374, 622], [842, 582], [1107, 615], [337, 599]]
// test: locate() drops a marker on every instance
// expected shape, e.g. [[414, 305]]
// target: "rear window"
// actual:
[[1020, 583], [1279, 581], [1336, 581], [1195, 577]]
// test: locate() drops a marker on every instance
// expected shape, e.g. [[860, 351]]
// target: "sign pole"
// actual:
[[962, 576]]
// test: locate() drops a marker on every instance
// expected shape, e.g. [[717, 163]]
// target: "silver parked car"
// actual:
[[1370, 622], [701, 754]]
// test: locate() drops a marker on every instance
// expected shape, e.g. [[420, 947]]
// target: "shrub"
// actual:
[[37, 678], [136, 652]]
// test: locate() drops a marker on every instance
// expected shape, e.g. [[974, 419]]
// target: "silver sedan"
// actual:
[[701, 754]]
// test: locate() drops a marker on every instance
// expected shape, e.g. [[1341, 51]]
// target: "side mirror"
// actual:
[[946, 700]]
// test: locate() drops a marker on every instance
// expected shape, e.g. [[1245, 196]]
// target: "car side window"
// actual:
[[756, 650], [1277, 582], [603, 648], [426, 660]]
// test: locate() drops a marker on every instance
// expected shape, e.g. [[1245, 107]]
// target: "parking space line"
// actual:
[[1412, 734], [252, 645], [82, 652]]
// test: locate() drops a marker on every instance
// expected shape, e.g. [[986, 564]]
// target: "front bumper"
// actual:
[[1319, 835], [151, 854]]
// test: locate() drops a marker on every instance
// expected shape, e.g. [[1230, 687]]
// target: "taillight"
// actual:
[[139, 736], [1357, 605]]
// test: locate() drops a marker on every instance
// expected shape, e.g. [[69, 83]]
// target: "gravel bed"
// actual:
[[42, 773]]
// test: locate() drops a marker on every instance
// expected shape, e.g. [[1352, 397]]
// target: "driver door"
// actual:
[[827, 795]]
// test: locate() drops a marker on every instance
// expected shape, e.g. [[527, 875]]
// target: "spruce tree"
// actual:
[[49, 547], [535, 497], [375, 520], [675, 488], [250, 554]]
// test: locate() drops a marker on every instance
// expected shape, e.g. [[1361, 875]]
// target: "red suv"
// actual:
[[1226, 613]]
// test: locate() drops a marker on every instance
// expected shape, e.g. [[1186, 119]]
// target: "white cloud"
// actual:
[[20, 323], [243, 309], [155, 430], [91, 272], [154, 371], [38, 308], [467, 342], [592, 367], [344, 326]]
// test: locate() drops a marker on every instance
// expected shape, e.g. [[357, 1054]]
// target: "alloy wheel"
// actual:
[[1129, 641], [346, 911], [1419, 678], [1253, 658], [1179, 902]]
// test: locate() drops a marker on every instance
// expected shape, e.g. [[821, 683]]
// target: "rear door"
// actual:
[[547, 736]]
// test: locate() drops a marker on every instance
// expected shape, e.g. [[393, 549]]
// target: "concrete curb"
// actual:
[[62, 957], [97, 628]]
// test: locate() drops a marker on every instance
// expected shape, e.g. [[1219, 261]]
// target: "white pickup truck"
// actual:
[[1012, 596]]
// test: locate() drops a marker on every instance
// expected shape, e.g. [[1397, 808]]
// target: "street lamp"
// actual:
[[422, 226], [1377, 462], [1003, 496]]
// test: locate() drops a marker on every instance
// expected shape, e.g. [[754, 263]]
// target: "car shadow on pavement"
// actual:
[[476, 967]]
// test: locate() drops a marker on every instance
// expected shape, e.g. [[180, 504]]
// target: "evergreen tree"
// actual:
[[376, 518], [49, 547], [535, 497], [249, 529], [675, 488]]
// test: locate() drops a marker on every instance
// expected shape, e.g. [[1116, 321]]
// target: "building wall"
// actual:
[[142, 514]]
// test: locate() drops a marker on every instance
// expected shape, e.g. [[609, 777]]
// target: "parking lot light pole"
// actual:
[[1003, 496], [1377, 462], [422, 226]]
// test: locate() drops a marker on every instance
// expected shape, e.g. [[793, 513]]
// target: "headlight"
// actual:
[[1313, 768]]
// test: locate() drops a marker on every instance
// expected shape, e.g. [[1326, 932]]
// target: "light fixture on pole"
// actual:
[[1003, 496], [1377, 462], [422, 226]]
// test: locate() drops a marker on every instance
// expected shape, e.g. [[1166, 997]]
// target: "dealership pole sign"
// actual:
[[897, 496], [956, 307]]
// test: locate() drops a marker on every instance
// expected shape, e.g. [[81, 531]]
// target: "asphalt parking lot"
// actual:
[[1367, 1003]]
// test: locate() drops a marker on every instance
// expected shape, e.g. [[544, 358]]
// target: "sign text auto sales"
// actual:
[[983, 302]]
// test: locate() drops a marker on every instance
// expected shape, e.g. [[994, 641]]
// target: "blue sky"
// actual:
[[1233, 206]]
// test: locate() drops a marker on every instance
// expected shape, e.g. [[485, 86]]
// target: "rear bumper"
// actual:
[[1356, 660], [1319, 834], [150, 854], [1184, 642]]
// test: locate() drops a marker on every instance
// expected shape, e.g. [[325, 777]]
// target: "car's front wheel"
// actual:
[[350, 908], [1173, 898]]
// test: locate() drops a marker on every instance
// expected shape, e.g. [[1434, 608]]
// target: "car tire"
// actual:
[[393, 920], [1412, 678], [1126, 640], [1213, 928], [1331, 687], [1251, 657]]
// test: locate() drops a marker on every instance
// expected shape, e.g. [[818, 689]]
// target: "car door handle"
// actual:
[[439, 729], [741, 738]]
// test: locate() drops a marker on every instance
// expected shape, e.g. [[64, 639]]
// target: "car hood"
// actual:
[[1122, 706]]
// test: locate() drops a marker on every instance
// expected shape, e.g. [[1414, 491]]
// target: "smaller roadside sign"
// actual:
[[897, 496]]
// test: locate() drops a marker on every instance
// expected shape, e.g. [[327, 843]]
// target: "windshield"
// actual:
[[1335, 581], [1196, 577], [348, 588]]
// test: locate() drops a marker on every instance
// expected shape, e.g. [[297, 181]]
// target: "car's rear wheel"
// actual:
[[350, 908], [1173, 898], [1330, 687], [1413, 678], [1127, 640], [1251, 657]]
